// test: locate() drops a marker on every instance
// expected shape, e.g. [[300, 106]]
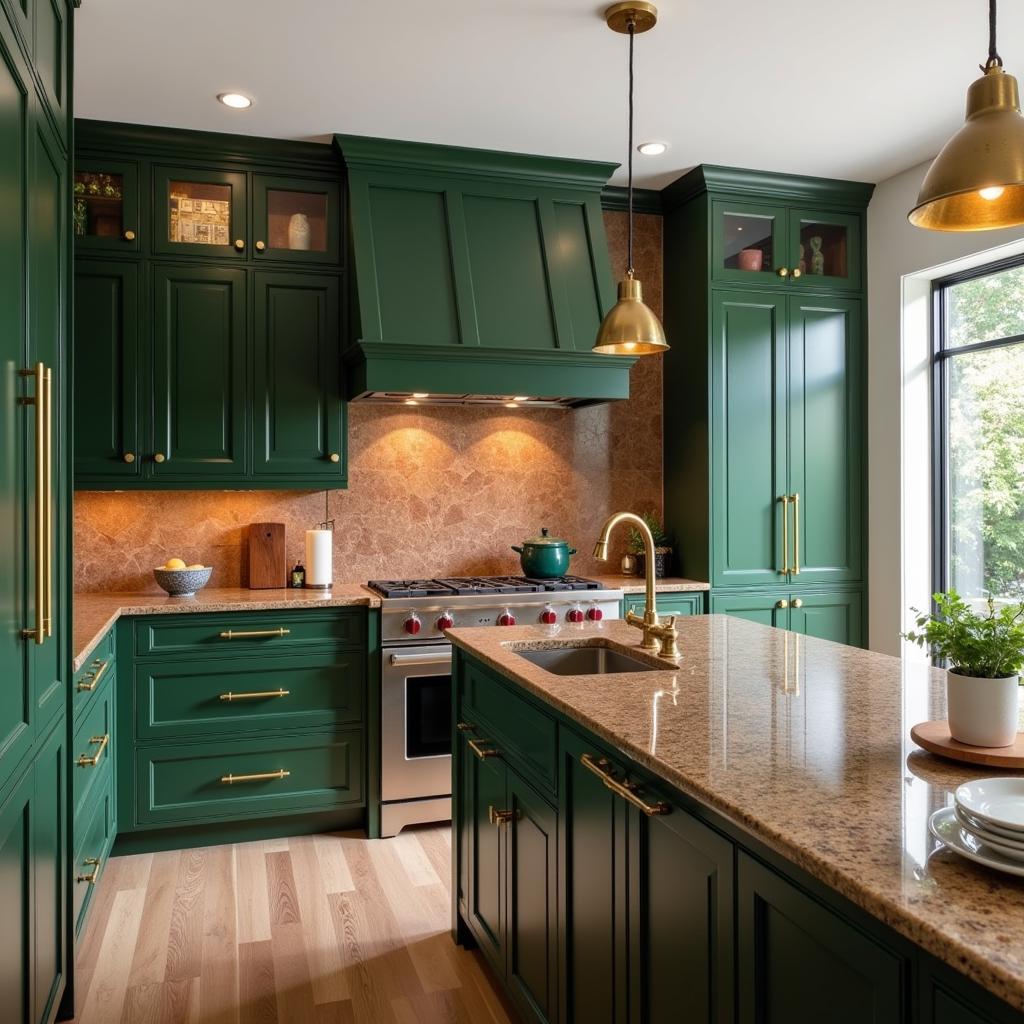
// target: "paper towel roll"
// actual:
[[319, 551]]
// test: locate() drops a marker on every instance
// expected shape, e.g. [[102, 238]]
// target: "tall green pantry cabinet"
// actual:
[[35, 127], [764, 394]]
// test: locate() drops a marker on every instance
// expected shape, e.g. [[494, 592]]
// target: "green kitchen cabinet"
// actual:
[[17, 973], [107, 356], [826, 247], [769, 609], [199, 374], [740, 231], [826, 615], [199, 212], [298, 412], [106, 214], [945, 998], [669, 603], [296, 220]]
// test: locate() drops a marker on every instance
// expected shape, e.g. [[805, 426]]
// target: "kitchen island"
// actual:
[[746, 831]]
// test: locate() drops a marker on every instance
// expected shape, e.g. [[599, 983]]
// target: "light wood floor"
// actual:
[[327, 929]]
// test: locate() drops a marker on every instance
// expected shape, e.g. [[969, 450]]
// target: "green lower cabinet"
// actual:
[[769, 609], [16, 898], [946, 998], [670, 603], [93, 836], [831, 615]]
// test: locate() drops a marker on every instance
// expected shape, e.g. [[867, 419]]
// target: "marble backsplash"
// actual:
[[431, 490]]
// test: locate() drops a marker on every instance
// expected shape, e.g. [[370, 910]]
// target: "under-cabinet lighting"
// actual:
[[420, 394]]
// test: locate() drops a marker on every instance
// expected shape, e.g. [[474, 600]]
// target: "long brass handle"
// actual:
[[483, 752], [38, 632], [249, 634], [94, 862], [48, 494], [785, 534], [91, 762], [625, 789], [255, 776], [98, 672], [499, 818], [795, 500], [254, 694]]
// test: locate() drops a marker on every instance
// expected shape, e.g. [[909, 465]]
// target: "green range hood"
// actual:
[[476, 276]]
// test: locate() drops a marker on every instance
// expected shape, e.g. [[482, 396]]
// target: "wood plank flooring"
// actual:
[[328, 929]]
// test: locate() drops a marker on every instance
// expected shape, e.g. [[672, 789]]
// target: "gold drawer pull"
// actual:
[[483, 752], [94, 863], [254, 695], [98, 672], [465, 726], [249, 634], [499, 818], [256, 776], [627, 790], [795, 501], [91, 762]]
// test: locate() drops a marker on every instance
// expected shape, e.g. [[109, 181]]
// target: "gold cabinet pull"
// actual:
[[129, 457], [239, 244], [627, 790], [783, 271], [795, 501], [465, 726], [797, 272], [91, 681], [782, 604], [94, 863], [784, 498], [255, 776], [91, 762], [254, 695], [48, 501], [334, 457], [159, 457], [250, 634], [483, 752], [38, 632], [798, 602], [499, 818], [129, 235], [261, 246]]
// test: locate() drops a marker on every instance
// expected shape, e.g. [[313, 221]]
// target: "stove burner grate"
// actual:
[[457, 586]]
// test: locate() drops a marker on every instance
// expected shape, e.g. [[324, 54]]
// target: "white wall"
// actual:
[[902, 260]]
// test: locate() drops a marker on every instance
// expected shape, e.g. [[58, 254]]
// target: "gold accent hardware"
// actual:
[[783, 271], [48, 494], [783, 603], [129, 235], [38, 632], [465, 726], [239, 244], [795, 499], [159, 457], [784, 498], [260, 246], [93, 862], [129, 457], [91, 762], [798, 602], [254, 694], [643, 15], [249, 634], [627, 790], [334, 457], [499, 818], [797, 272], [281, 773], [669, 636], [98, 672], [483, 752]]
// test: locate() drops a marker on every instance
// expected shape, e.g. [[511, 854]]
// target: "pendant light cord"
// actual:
[[629, 159], [994, 60]]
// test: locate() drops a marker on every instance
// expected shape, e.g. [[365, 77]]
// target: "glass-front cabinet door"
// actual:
[[105, 211], [199, 213], [296, 220], [748, 242], [826, 248]]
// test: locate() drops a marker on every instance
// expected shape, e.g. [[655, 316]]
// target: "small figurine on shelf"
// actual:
[[817, 256], [81, 216]]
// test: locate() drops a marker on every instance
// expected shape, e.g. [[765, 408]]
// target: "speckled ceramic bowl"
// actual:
[[183, 582]]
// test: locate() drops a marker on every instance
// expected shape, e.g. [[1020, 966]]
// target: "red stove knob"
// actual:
[[445, 620], [412, 624], [574, 614], [595, 614], [506, 618], [548, 616]]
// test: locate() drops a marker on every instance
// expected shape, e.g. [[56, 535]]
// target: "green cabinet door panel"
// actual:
[[199, 373], [668, 604], [315, 198], [531, 879], [87, 744], [214, 186], [16, 975], [841, 248], [50, 59], [748, 457], [115, 237], [93, 837], [748, 225], [770, 609], [945, 997], [108, 436], [826, 439], [298, 412], [796, 956], [835, 616], [93, 678]]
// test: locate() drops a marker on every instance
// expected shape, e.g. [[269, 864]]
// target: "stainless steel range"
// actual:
[[416, 680]]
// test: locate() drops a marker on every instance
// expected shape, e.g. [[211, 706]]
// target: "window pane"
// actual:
[[985, 308], [985, 422]]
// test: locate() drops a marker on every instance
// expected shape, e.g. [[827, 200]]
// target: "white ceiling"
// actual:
[[843, 88]]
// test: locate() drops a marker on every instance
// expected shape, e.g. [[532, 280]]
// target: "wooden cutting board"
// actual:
[[268, 568], [935, 738]]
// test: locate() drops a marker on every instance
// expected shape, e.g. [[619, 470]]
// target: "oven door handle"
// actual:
[[444, 658]]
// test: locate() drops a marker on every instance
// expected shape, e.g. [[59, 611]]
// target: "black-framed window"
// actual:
[[978, 418]]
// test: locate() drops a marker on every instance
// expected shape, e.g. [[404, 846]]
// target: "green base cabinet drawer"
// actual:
[[827, 615], [92, 676], [248, 633], [175, 698], [94, 836], [688, 603], [93, 748], [187, 783]]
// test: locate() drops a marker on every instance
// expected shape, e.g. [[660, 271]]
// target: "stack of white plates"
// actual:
[[985, 824]]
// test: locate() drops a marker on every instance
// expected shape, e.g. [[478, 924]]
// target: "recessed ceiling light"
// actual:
[[235, 100], [652, 148]]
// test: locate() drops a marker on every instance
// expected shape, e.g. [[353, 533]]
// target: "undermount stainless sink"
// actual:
[[588, 661]]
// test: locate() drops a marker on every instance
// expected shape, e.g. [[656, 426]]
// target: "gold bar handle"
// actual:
[[254, 695], [38, 632], [91, 762], [256, 776], [48, 497], [627, 790], [465, 726], [784, 498], [94, 863], [250, 634], [795, 499], [98, 672], [499, 818], [483, 752]]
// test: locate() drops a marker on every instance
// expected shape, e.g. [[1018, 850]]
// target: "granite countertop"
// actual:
[[806, 745], [94, 614], [636, 585]]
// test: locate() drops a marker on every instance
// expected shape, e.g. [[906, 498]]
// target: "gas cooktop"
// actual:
[[469, 585]]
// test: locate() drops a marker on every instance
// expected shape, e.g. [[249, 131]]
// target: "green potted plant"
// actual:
[[984, 654], [662, 546]]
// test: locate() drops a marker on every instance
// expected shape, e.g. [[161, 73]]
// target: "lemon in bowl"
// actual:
[[180, 579]]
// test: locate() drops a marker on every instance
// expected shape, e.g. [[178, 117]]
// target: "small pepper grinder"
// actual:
[[298, 575]]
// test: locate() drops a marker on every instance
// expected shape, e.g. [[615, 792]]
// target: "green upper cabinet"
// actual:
[[296, 220], [748, 243], [106, 205], [477, 273], [50, 58], [199, 212], [826, 248]]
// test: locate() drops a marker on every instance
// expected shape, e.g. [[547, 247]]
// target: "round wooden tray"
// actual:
[[935, 738]]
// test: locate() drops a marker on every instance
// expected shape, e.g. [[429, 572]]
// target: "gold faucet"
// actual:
[[658, 636]]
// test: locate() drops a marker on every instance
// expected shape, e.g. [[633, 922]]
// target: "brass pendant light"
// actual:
[[977, 181], [630, 327]]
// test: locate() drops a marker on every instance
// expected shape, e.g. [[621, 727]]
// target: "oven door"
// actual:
[[416, 722]]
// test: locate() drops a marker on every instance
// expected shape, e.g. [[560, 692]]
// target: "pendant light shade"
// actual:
[[630, 327], [976, 183]]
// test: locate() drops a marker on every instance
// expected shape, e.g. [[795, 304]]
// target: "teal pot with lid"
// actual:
[[544, 557]]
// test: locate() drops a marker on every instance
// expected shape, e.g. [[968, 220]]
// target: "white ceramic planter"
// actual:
[[982, 712]]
